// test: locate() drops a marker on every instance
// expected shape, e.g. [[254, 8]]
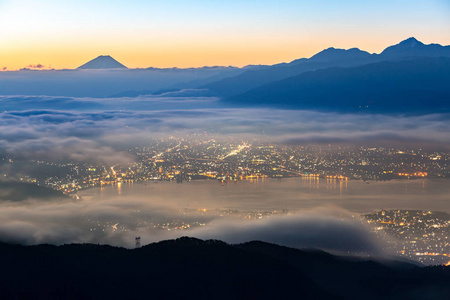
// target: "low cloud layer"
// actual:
[[116, 222], [311, 217], [91, 128], [36, 67], [317, 229]]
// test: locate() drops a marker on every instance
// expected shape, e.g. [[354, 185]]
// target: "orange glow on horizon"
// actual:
[[202, 51], [181, 56], [142, 34]]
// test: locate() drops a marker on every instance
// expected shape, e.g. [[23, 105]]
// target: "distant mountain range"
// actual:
[[420, 85], [189, 268], [414, 48], [407, 77], [331, 57], [333, 79]]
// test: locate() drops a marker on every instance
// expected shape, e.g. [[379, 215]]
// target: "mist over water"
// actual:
[[296, 212], [291, 194]]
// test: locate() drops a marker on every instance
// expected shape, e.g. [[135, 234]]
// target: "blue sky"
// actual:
[[140, 33]]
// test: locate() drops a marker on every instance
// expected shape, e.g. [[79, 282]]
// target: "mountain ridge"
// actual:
[[330, 57], [417, 85], [331, 54], [191, 268], [411, 47]]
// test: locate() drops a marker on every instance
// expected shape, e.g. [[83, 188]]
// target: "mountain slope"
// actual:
[[189, 268], [181, 269], [327, 58], [21, 191], [414, 48], [333, 54], [398, 86], [102, 62], [253, 78]]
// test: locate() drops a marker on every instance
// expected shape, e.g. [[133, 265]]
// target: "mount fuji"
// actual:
[[103, 62]]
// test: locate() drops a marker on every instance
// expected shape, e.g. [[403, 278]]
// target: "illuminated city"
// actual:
[[421, 236], [234, 159], [418, 235]]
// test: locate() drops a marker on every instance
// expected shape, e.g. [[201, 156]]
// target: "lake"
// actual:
[[291, 194]]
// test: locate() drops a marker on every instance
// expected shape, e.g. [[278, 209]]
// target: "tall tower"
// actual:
[[138, 242]]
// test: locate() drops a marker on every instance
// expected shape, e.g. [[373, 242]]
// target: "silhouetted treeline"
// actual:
[[189, 268]]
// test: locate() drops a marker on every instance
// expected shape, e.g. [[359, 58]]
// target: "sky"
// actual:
[[144, 33]]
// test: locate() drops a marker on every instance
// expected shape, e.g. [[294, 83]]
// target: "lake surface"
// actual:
[[291, 194]]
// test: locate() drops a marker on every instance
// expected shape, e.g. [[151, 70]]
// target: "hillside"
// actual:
[[415, 85], [20, 191], [331, 57], [253, 78], [102, 62], [189, 268]]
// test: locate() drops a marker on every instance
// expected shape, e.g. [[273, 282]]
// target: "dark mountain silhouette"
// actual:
[[414, 48], [103, 62], [327, 58], [189, 268], [333, 54], [253, 78], [418, 85]]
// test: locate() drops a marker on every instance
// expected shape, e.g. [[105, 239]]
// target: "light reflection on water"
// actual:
[[292, 194]]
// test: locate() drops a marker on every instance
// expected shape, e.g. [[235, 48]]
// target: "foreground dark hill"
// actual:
[[416, 85], [189, 268]]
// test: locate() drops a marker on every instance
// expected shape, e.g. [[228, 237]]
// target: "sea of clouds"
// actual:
[[92, 128]]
